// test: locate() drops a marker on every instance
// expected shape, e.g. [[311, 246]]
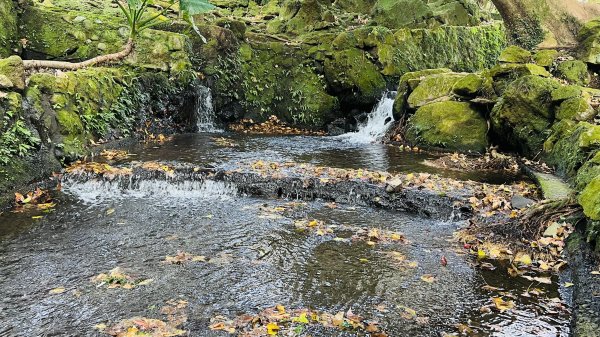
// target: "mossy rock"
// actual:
[[300, 16], [415, 13], [571, 145], [576, 108], [515, 54], [467, 49], [566, 92], [450, 125], [504, 74], [545, 58], [590, 199], [433, 88], [12, 68], [408, 82], [575, 72], [8, 28], [469, 86], [587, 172], [523, 116], [589, 42], [351, 74]]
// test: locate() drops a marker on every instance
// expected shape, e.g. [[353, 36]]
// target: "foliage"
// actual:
[[193, 7], [16, 139], [135, 10]]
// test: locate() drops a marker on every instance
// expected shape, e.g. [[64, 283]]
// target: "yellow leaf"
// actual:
[[480, 254], [272, 329], [524, 259], [56, 291], [280, 308], [503, 305], [301, 319], [100, 326], [428, 278], [313, 223], [568, 284], [110, 211]]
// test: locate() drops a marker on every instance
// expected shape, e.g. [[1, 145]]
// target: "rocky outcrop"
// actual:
[[589, 42], [8, 28]]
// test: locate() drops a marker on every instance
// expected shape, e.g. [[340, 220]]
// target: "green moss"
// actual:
[[576, 108], [565, 92], [575, 72], [469, 86], [589, 42], [352, 74], [12, 67], [415, 13], [515, 54], [571, 145], [408, 82], [553, 188], [450, 125], [590, 199], [545, 58], [587, 172], [433, 88], [523, 117], [8, 28]]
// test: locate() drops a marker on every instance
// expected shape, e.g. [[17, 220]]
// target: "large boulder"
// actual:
[[8, 27], [354, 77], [450, 125], [523, 116], [301, 16], [574, 72], [571, 145], [589, 42], [590, 199], [433, 88], [408, 83], [13, 70], [515, 54]]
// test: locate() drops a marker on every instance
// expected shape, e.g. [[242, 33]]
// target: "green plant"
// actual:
[[135, 12]]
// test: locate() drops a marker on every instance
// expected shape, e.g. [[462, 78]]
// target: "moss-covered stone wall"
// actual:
[[8, 27]]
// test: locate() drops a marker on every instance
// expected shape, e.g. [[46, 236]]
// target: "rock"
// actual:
[[394, 185], [553, 188], [545, 58], [415, 13], [505, 73], [570, 145], [300, 16], [8, 28], [590, 200], [13, 68], [469, 86], [523, 116], [589, 42], [575, 72], [587, 172], [351, 74], [450, 125], [565, 92], [5, 82], [337, 127], [576, 108], [433, 88], [515, 54], [520, 202], [408, 82]]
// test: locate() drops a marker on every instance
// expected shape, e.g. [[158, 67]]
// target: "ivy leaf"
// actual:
[[193, 7]]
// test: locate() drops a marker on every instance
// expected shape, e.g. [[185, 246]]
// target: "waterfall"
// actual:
[[378, 123], [205, 112]]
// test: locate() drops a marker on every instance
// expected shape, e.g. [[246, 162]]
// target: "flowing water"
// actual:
[[256, 257], [205, 111], [377, 124]]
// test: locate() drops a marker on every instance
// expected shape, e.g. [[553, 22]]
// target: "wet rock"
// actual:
[[433, 88], [515, 54], [520, 202], [337, 127], [570, 144], [394, 185], [450, 125], [575, 72], [522, 118], [12, 68]]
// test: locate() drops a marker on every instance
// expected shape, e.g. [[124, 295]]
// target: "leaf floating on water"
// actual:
[[142, 326], [503, 305], [443, 261], [110, 211], [56, 291], [428, 278]]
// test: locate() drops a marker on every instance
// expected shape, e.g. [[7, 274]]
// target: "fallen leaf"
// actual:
[[272, 329], [428, 278], [56, 291], [503, 305]]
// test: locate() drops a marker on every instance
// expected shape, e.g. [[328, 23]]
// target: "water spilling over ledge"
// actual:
[[379, 121]]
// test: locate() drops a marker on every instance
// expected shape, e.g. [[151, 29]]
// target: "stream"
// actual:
[[255, 255]]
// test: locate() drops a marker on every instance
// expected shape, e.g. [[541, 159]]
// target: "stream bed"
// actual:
[[255, 253]]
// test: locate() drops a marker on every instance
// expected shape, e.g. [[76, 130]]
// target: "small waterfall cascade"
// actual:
[[205, 112], [95, 190], [378, 123]]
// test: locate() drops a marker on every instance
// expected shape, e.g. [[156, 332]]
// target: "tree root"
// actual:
[[63, 65]]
